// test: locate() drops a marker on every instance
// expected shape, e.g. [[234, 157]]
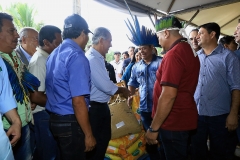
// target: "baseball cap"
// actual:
[[74, 22]]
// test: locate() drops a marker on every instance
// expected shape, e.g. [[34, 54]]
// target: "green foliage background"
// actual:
[[23, 15]]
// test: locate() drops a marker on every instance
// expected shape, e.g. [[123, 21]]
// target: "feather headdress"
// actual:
[[21, 87], [172, 23], [169, 23], [141, 36]]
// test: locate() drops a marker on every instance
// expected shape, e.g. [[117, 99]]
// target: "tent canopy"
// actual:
[[224, 12]]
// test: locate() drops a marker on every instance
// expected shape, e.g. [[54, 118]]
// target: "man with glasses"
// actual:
[[28, 43], [192, 36], [21, 83], [68, 87]]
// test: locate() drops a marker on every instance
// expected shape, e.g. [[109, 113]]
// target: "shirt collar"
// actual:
[[28, 56], [175, 43], [42, 52], [178, 41], [116, 61], [154, 57], [71, 42], [96, 53]]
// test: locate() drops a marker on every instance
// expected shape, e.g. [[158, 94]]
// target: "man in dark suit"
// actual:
[[28, 43]]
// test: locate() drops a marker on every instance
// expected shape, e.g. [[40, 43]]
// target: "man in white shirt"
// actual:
[[49, 38], [117, 65]]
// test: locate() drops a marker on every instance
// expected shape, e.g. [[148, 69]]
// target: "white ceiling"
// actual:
[[224, 12]]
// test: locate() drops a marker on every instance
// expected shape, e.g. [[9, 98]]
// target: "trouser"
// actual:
[[214, 128], [152, 150], [175, 144], [46, 145], [22, 150], [100, 120], [69, 136]]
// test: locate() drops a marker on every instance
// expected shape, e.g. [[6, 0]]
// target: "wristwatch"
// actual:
[[151, 130]]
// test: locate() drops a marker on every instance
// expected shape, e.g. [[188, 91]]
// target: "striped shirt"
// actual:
[[102, 87], [219, 75]]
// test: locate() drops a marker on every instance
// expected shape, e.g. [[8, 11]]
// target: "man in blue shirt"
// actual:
[[143, 76], [217, 95], [68, 88], [7, 107], [101, 90]]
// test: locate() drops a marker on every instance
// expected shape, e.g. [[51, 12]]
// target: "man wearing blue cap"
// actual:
[[68, 89]]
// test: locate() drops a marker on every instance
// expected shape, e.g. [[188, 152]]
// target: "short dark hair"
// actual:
[[4, 16], [212, 27], [117, 52], [47, 32], [125, 52], [73, 26], [226, 40]]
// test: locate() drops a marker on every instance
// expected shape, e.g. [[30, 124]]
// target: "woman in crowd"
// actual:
[[138, 56], [228, 42], [127, 73]]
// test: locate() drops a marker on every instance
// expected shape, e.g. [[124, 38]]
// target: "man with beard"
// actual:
[[22, 82], [174, 110]]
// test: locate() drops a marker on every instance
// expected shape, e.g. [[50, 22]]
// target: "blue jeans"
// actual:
[[152, 150], [22, 150], [46, 146], [69, 136], [100, 120], [214, 128], [175, 144]]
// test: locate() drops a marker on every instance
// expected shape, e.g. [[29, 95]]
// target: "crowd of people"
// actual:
[[54, 91]]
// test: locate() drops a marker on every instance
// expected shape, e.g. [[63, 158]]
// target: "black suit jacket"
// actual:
[[21, 55]]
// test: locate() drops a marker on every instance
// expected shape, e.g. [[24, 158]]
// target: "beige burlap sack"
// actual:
[[114, 97], [123, 120]]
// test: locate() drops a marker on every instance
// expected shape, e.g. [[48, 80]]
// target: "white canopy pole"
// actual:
[[77, 7]]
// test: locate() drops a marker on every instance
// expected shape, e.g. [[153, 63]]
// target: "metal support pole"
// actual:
[[151, 19], [77, 7], [192, 18]]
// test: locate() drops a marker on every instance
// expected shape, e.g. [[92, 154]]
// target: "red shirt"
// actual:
[[179, 69]]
